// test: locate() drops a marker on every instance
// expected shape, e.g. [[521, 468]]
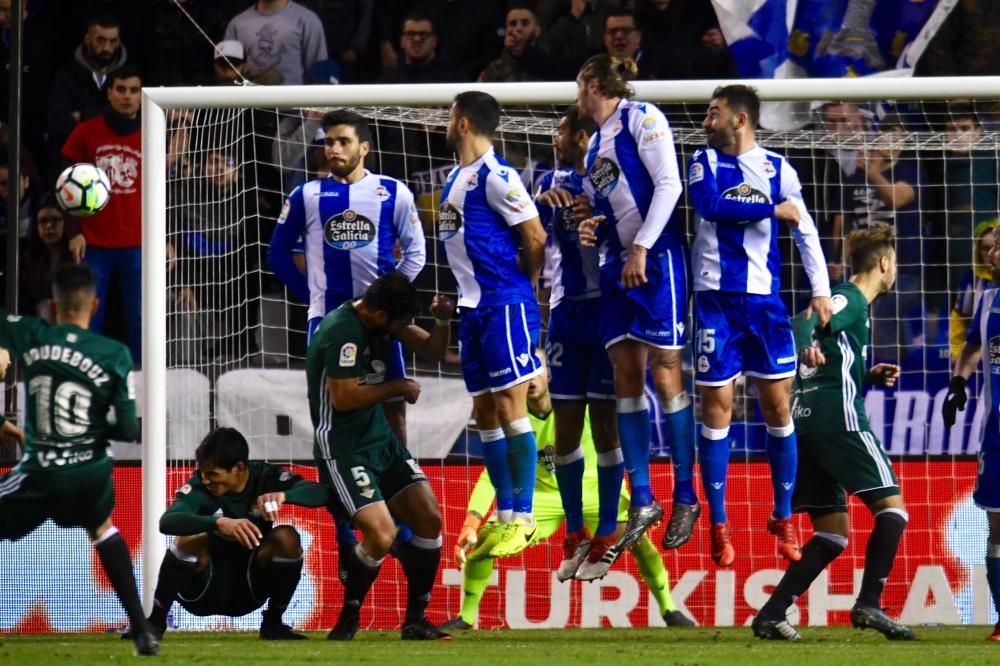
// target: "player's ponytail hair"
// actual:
[[867, 245], [612, 75]]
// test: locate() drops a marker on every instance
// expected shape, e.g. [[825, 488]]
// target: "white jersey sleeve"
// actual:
[[410, 233], [806, 235], [655, 143], [508, 198]]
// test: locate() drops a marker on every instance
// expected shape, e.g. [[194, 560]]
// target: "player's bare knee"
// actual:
[[993, 521], [831, 521]]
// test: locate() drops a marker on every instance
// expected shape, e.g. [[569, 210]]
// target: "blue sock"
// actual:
[[345, 535], [403, 533], [783, 455], [495, 459], [522, 458], [679, 415], [713, 452], [610, 475], [635, 432], [993, 574], [569, 476]]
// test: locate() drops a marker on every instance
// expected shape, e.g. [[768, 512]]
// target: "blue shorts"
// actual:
[[987, 493], [736, 334], [578, 362], [653, 313], [497, 346], [391, 355]]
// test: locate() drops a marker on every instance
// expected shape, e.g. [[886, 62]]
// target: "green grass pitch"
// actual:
[[652, 647]]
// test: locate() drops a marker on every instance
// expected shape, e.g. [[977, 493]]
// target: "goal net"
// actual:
[[233, 340]]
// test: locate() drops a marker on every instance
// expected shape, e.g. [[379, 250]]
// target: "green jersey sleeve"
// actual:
[[184, 516], [849, 305], [297, 490], [803, 328], [126, 427], [16, 332], [344, 351]]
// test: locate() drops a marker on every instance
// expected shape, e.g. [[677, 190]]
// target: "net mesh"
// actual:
[[236, 350]]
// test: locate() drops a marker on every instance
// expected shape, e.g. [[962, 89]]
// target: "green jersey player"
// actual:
[[229, 557], [837, 449], [477, 565], [75, 378], [374, 479]]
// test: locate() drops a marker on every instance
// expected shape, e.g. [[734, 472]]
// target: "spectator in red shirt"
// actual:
[[111, 240]]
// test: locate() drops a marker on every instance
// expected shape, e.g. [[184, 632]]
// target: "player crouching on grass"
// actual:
[[837, 449], [229, 557], [374, 478], [549, 514]]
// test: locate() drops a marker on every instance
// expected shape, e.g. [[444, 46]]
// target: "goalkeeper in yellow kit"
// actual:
[[480, 537]]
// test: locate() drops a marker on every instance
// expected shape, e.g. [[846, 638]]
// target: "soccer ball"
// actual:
[[83, 189]]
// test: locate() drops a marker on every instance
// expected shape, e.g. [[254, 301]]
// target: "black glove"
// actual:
[[954, 401]]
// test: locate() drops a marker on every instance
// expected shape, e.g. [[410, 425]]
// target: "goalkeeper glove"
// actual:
[[467, 537], [955, 400]]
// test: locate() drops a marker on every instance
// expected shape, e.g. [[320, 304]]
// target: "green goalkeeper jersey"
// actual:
[[829, 398], [74, 377], [342, 349], [483, 493]]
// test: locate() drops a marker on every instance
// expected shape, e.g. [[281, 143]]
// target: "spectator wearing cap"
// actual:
[[230, 66], [420, 62], [281, 35]]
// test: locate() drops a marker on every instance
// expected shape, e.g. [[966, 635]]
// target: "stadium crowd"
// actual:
[[71, 47]]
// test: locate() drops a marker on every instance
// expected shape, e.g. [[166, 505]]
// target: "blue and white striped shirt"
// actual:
[[575, 271], [349, 231], [736, 233], [480, 205], [634, 181]]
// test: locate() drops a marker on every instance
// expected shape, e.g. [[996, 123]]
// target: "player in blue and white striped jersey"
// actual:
[[741, 192], [348, 223], [634, 183], [581, 376], [495, 245]]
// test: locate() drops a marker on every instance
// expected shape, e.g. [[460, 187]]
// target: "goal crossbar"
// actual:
[[157, 101]]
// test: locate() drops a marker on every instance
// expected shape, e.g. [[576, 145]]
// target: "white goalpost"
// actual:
[[534, 108]]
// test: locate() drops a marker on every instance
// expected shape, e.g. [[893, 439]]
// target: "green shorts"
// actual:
[[366, 477], [832, 462], [81, 496], [232, 584]]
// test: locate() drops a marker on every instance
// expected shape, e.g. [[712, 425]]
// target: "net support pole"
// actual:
[[154, 341]]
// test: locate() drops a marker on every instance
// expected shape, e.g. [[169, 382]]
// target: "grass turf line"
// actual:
[[731, 645]]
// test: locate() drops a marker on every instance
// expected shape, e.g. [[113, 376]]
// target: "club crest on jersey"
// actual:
[[348, 230], [472, 182], [604, 176], [381, 193], [449, 221], [744, 193], [994, 348], [767, 168]]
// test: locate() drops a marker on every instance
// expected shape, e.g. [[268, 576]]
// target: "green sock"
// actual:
[[474, 584], [654, 573]]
